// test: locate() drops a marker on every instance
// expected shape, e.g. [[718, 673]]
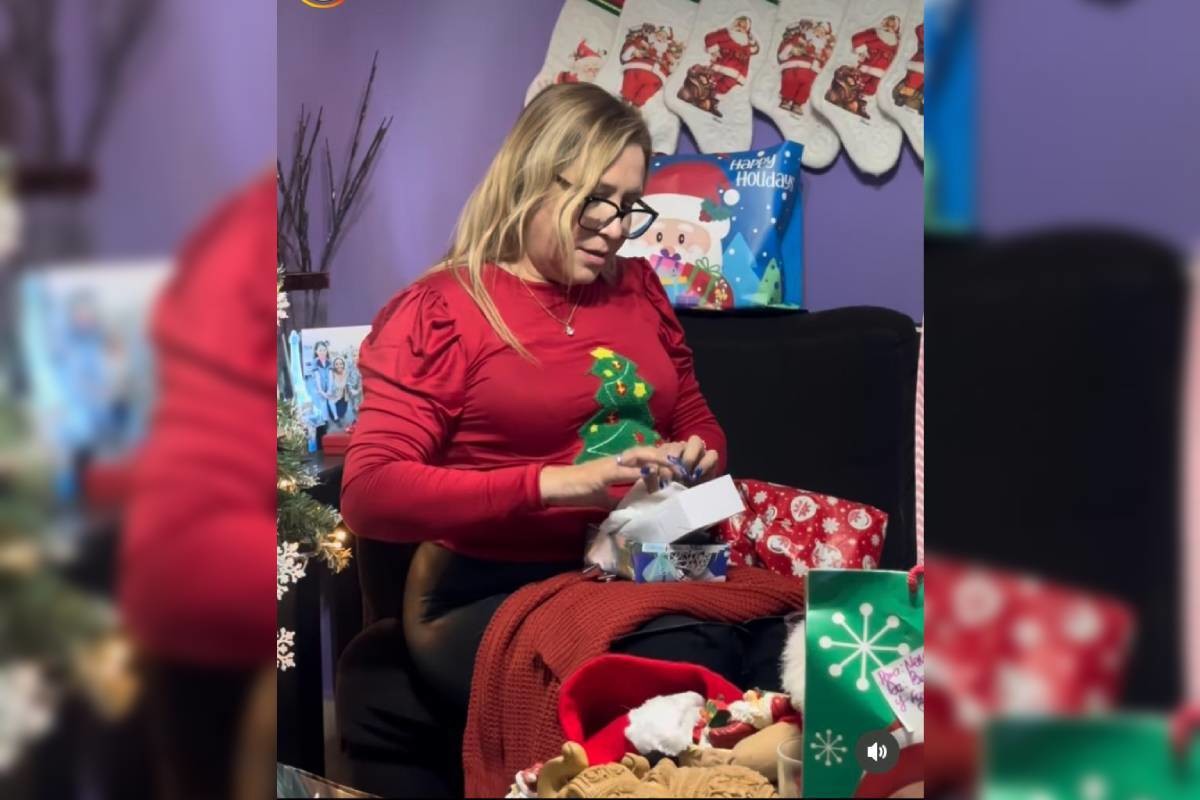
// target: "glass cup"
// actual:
[[791, 767]]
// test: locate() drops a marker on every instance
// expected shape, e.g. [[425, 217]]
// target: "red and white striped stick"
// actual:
[[919, 449], [1190, 561]]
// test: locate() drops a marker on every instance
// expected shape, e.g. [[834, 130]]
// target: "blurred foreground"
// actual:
[[135, 396]]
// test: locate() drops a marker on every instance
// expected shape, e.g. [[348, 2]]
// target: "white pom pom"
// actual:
[[792, 672], [731, 196], [664, 724]]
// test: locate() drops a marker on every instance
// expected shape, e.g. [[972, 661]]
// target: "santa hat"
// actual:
[[595, 704], [583, 51], [694, 190]]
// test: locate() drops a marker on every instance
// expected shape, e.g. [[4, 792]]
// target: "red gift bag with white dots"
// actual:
[[790, 530]]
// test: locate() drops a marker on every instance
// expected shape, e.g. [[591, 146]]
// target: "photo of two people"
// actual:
[[331, 376]]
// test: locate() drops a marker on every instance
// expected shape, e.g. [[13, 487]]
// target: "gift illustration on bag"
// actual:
[[854, 86], [730, 50]]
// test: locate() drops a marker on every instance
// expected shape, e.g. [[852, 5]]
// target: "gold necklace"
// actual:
[[568, 328]]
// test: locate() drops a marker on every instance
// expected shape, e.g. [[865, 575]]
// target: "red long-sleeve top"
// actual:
[[456, 426]]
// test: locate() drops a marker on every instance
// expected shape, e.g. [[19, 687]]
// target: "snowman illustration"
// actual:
[[695, 202]]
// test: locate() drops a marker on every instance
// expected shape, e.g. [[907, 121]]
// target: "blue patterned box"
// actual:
[[641, 562]]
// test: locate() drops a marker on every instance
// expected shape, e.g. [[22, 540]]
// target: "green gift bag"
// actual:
[[1118, 757], [858, 622]]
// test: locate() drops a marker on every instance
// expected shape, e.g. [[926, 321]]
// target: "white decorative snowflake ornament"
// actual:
[[863, 647], [26, 710], [285, 659], [289, 567], [829, 747]]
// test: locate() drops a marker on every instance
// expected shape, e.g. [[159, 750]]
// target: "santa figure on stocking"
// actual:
[[585, 64], [805, 49], [875, 48], [910, 92], [730, 50], [646, 59]]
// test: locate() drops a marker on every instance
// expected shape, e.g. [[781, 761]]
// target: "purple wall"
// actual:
[[1090, 113], [454, 74], [193, 125]]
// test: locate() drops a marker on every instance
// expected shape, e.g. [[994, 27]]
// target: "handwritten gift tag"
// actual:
[[903, 685]]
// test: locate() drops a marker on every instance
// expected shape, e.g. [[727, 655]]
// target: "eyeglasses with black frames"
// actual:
[[597, 213]]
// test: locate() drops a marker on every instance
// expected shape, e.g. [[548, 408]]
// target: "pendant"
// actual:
[[570, 331]]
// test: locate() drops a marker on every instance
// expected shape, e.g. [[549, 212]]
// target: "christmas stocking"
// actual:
[[902, 92], [579, 45], [647, 48], [846, 92], [711, 89], [802, 43]]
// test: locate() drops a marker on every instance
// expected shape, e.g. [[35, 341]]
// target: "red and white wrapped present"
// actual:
[[791, 530], [1006, 643]]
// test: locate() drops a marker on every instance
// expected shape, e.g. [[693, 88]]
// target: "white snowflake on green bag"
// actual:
[[829, 747], [863, 647]]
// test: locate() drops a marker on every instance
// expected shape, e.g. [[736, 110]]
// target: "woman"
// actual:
[[496, 385], [321, 367], [338, 398]]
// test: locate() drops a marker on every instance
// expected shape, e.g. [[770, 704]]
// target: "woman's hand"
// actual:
[[587, 484], [691, 461]]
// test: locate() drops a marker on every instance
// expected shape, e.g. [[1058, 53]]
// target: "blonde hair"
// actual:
[[564, 125]]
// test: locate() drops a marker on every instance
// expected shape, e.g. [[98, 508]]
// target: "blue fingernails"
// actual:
[[683, 473], [662, 483], [646, 470], [696, 474]]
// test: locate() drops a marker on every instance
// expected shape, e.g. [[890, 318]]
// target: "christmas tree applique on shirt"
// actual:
[[624, 419]]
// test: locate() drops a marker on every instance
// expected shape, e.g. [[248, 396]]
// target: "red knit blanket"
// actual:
[[546, 630]]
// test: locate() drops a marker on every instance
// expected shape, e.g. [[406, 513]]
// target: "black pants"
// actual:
[[405, 738]]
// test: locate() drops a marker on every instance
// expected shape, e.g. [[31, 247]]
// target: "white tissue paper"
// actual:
[[662, 517]]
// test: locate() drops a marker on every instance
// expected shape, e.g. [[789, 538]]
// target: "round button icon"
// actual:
[[877, 751]]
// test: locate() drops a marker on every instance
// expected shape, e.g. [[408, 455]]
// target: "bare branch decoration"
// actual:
[[294, 232]]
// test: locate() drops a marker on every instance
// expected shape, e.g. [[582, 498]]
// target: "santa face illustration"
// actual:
[[588, 67], [688, 240], [892, 23], [859, 520], [778, 545], [684, 246], [756, 530], [827, 557]]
